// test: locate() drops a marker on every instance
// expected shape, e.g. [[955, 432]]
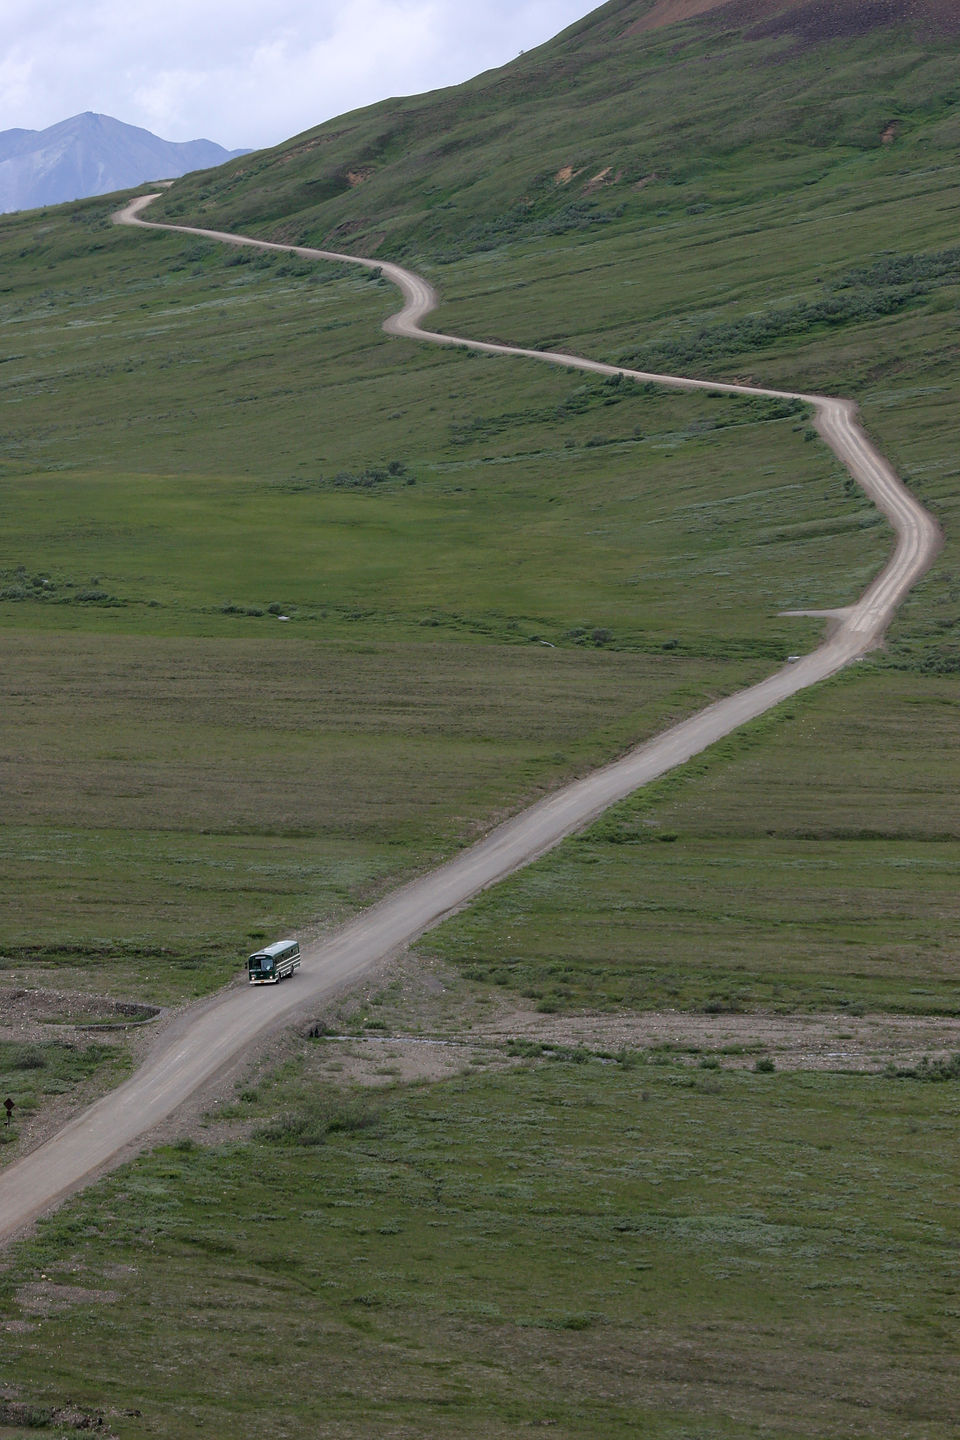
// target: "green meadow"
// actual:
[[601, 1247], [811, 861], [175, 799], [495, 575], [492, 576]]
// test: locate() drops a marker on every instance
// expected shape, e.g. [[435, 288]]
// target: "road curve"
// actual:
[[210, 1036]]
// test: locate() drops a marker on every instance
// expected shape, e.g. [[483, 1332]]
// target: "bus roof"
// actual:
[[277, 948]]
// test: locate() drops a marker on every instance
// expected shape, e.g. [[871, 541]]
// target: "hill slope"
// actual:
[[612, 119], [814, 20], [195, 440], [483, 502], [92, 155]]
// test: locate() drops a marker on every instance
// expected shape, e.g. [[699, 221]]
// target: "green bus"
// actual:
[[274, 963]]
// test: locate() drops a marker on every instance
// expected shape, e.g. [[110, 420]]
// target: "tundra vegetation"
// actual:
[[494, 576], [594, 1246]]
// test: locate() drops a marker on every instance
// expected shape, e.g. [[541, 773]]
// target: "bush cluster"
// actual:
[[370, 478], [943, 1067], [18, 586], [867, 293], [316, 1117], [527, 221]]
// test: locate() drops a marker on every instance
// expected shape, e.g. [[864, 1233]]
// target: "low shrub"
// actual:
[[943, 1067], [27, 1057], [318, 1116]]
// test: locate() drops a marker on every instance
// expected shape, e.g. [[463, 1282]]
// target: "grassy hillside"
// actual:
[[495, 576], [768, 191], [198, 441], [608, 123], [808, 862]]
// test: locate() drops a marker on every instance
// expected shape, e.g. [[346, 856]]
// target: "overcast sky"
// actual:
[[249, 72]]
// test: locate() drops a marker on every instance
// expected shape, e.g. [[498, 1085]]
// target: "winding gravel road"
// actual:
[[209, 1037]]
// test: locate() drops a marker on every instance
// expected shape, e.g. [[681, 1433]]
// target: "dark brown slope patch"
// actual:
[[813, 21], [672, 12], [817, 20]]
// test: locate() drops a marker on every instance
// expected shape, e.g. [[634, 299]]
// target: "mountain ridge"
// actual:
[[92, 154]]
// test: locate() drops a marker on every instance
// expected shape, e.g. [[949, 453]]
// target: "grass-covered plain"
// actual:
[[708, 199], [194, 442], [494, 575], [214, 438], [678, 295], [607, 1249], [169, 800], [812, 860]]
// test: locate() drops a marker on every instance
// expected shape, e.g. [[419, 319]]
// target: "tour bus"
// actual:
[[274, 962]]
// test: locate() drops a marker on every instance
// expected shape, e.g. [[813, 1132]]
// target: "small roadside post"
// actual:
[[8, 1106]]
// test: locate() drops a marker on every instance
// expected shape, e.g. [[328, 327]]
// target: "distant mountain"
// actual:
[[92, 155]]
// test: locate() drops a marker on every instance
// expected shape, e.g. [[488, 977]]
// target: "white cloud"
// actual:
[[16, 84], [244, 73]]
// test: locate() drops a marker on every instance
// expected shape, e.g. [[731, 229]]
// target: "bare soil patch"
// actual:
[[37, 1015], [51, 1297], [17, 1411], [421, 1022], [33, 1014], [672, 12], [814, 21], [867, 1044], [377, 1061], [603, 177], [796, 1042]]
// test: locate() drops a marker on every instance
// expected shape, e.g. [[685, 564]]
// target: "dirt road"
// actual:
[[210, 1036]]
